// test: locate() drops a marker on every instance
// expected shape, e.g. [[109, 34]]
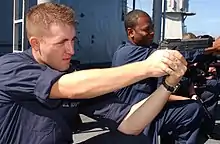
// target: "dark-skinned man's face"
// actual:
[[142, 34]]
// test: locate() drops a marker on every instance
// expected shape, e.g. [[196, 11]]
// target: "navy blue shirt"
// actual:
[[27, 115], [129, 53]]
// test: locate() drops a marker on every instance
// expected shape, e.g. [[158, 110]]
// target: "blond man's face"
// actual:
[[57, 46]]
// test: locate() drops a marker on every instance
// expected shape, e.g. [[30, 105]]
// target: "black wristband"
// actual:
[[170, 88]]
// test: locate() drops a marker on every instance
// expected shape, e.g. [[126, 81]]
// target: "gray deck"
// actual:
[[82, 136]]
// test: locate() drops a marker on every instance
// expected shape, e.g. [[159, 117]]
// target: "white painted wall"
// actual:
[[174, 24]]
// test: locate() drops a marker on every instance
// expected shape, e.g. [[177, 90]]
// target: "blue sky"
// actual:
[[206, 20]]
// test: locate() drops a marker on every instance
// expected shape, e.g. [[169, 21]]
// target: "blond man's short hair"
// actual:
[[40, 17]]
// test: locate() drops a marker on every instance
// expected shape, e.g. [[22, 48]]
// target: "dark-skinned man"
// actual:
[[180, 117]]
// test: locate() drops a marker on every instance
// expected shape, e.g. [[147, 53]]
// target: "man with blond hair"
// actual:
[[40, 92]]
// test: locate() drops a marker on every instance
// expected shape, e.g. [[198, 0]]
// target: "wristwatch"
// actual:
[[170, 88]]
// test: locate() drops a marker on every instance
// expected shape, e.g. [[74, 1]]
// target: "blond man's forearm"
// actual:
[[91, 83]]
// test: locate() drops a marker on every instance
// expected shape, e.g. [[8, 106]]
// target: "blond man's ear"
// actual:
[[34, 42]]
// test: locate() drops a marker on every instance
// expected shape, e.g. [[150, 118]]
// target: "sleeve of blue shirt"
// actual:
[[22, 79], [213, 85], [129, 53], [196, 55]]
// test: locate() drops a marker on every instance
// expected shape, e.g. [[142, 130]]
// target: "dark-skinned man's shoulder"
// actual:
[[128, 53]]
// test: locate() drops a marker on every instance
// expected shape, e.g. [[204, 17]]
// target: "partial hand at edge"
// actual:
[[215, 49]]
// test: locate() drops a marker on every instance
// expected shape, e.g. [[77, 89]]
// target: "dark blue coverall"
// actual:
[[183, 118], [210, 96]]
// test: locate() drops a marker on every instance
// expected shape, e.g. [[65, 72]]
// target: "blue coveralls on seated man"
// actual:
[[183, 118]]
